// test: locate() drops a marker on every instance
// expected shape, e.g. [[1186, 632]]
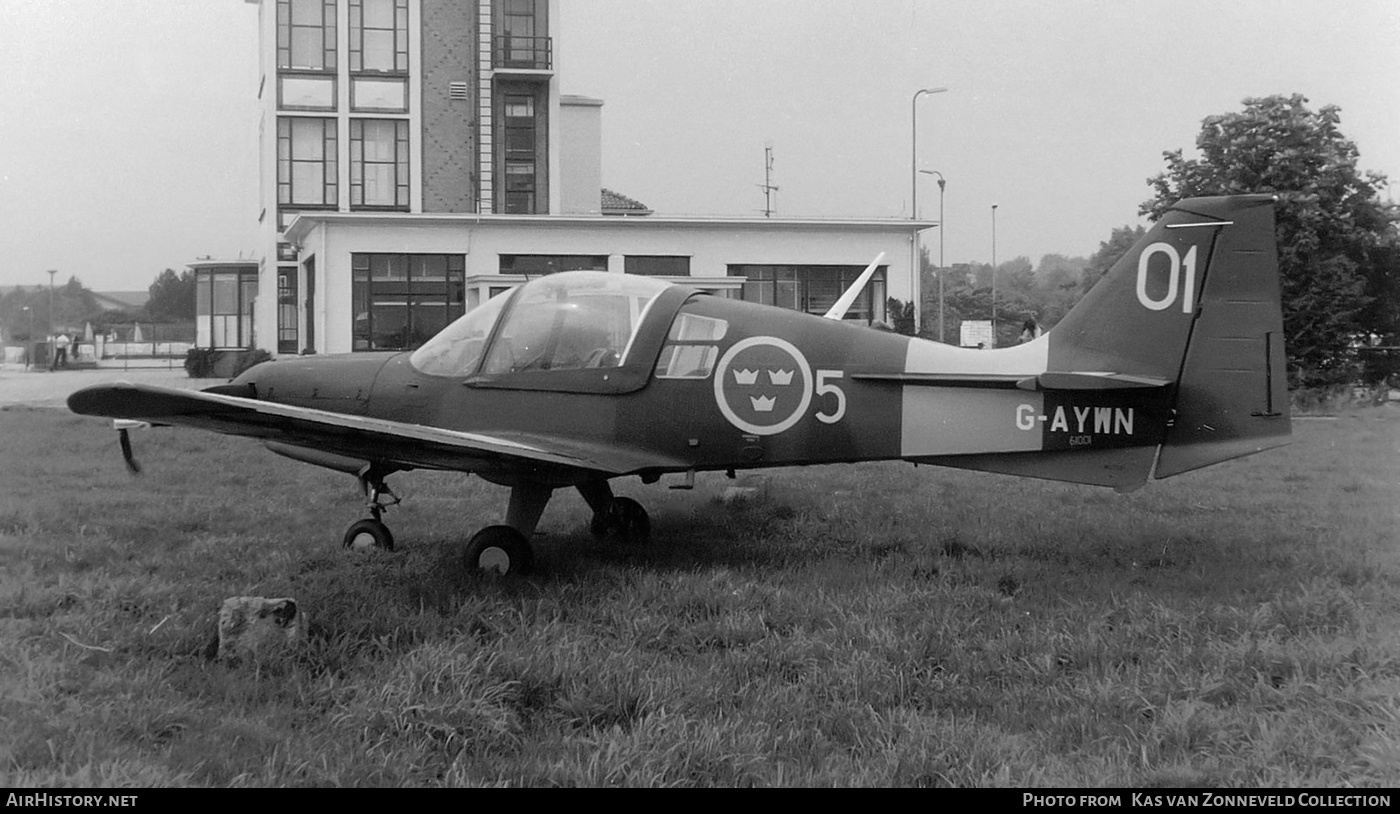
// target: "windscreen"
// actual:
[[458, 348], [571, 321]]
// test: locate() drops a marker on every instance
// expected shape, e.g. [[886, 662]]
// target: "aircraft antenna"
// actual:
[[767, 186]]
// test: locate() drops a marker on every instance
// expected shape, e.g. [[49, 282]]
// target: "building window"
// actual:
[[403, 300], [306, 92], [379, 163], [521, 157], [306, 170], [539, 264], [657, 265], [521, 41], [287, 309], [306, 35], [379, 95], [224, 307], [379, 35], [813, 289]]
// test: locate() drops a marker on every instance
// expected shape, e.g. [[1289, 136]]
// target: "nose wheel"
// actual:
[[367, 534], [371, 532]]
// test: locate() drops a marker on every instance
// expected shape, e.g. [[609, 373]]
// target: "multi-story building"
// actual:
[[418, 157]]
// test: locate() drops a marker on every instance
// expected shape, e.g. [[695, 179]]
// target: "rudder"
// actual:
[[1232, 395]]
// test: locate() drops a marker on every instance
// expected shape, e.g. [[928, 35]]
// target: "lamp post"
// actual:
[[52, 273], [994, 275], [914, 148], [914, 200], [942, 184], [29, 352]]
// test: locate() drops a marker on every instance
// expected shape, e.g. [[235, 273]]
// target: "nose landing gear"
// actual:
[[371, 532]]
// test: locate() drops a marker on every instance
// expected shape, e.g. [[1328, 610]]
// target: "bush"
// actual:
[[1337, 398], [248, 358], [209, 363], [199, 362]]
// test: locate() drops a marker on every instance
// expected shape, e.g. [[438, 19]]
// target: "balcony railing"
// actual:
[[527, 53]]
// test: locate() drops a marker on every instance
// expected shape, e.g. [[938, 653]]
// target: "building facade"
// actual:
[[418, 156]]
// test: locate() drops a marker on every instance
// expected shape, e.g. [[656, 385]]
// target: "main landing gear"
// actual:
[[504, 548], [371, 532]]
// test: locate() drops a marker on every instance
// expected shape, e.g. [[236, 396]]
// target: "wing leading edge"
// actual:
[[406, 445]]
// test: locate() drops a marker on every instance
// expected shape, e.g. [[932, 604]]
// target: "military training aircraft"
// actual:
[[1174, 361]]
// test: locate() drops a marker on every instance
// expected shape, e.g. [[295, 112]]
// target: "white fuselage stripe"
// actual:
[[965, 420]]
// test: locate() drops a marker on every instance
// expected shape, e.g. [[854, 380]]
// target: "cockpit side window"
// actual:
[[691, 348]]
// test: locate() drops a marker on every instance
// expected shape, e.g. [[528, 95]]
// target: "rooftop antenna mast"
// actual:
[[767, 186]]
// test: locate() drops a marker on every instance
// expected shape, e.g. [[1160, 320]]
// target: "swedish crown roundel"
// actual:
[[763, 385]]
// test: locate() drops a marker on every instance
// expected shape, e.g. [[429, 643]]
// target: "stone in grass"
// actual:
[[254, 626]]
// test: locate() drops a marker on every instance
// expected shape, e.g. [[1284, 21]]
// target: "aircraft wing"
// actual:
[[377, 439]]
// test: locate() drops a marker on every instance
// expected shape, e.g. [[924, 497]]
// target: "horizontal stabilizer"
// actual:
[[1125, 470], [1062, 380], [945, 379], [1066, 380]]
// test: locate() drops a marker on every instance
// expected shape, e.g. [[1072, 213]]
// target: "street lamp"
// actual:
[[994, 275], [29, 352], [914, 148], [942, 183], [52, 273], [914, 199]]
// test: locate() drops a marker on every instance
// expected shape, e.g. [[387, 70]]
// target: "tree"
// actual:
[[1057, 287], [172, 297], [1119, 242], [1335, 236]]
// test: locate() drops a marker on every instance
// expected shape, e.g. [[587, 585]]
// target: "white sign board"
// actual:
[[976, 332]]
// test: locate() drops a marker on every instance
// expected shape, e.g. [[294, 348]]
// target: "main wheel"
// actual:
[[624, 516], [501, 549], [633, 522], [366, 534]]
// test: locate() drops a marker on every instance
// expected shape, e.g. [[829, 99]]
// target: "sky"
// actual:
[[130, 127]]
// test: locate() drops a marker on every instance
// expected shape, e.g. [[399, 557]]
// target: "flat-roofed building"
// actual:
[[418, 156]]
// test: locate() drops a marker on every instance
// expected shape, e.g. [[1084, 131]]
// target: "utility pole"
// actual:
[[767, 185]]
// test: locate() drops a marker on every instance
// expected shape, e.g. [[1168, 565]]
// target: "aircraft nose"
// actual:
[[340, 384]]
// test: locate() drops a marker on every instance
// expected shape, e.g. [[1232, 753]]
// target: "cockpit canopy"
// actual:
[[570, 321]]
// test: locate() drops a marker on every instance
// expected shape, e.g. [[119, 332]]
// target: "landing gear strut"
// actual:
[[505, 549], [620, 515], [371, 532]]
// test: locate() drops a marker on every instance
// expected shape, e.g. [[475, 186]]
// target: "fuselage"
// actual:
[[711, 383]]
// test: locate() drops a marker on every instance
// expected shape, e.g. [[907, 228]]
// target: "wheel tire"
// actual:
[[632, 522], [367, 534], [499, 549]]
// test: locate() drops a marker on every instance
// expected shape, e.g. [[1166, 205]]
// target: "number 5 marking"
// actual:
[[823, 388], [1189, 287]]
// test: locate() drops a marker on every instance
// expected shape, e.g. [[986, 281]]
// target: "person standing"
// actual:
[[60, 351]]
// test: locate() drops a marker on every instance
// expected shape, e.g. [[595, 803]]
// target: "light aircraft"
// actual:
[[1174, 361]]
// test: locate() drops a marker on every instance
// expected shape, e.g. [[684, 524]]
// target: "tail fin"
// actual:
[[1232, 394], [1186, 328], [1196, 302]]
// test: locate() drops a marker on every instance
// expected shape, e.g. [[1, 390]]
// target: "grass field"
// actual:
[[878, 625]]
